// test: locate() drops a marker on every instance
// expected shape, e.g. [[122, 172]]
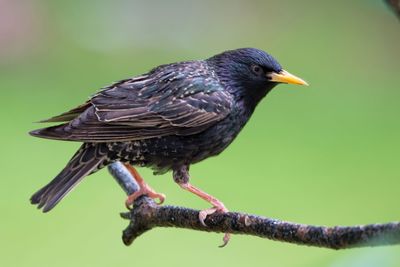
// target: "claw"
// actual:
[[128, 204], [161, 198], [220, 208], [204, 213], [226, 239], [145, 189]]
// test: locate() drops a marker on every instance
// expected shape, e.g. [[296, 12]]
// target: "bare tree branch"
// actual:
[[395, 6], [146, 214]]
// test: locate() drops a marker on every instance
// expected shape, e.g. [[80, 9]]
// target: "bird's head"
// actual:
[[250, 72]]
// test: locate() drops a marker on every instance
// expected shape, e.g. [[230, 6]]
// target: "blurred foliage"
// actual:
[[327, 154]]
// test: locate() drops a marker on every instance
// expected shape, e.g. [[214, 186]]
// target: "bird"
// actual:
[[167, 119]]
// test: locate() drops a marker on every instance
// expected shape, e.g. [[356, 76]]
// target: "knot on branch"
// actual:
[[141, 219]]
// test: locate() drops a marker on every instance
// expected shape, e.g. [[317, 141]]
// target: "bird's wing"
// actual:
[[69, 115], [181, 99]]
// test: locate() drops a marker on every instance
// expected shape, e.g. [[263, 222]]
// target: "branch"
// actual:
[[394, 5], [146, 215]]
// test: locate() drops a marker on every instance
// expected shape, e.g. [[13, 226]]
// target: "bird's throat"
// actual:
[[251, 98]]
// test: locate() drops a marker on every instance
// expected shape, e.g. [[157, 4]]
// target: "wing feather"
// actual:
[[177, 99]]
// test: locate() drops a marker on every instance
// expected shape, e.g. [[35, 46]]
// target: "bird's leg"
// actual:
[[217, 204], [145, 189], [181, 177]]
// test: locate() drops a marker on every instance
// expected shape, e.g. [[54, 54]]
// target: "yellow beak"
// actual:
[[286, 77]]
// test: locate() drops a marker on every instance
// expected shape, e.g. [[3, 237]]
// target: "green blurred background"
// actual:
[[327, 154]]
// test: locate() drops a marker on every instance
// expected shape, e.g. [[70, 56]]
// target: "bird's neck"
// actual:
[[249, 97], [255, 95]]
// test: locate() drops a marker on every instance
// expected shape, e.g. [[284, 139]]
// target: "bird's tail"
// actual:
[[88, 159]]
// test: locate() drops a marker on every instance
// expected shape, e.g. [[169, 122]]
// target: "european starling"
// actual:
[[167, 119]]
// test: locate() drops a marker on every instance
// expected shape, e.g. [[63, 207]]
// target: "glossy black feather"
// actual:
[[173, 116], [180, 99]]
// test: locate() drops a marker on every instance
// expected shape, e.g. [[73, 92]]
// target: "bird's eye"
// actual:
[[256, 69]]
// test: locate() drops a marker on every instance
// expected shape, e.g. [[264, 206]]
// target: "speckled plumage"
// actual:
[[173, 116]]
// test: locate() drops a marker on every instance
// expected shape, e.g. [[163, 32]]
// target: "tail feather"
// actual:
[[88, 159]]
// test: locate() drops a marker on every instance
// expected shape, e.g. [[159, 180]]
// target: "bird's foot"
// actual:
[[145, 189], [218, 206]]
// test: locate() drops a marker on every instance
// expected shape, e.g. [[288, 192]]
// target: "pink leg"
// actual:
[[145, 189], [218, 206]]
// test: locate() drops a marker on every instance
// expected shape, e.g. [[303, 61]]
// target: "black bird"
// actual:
[[167, 119]]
